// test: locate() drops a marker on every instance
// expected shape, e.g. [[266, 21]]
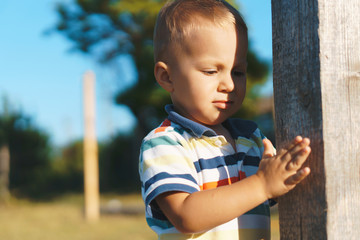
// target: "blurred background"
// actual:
[[46, 46]]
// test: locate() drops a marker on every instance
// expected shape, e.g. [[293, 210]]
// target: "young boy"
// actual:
[[205, 176]]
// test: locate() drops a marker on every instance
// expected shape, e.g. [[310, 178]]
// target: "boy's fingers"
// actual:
[[298, 176], [299, 159], [298, 145], [283, 153], [268, 148]]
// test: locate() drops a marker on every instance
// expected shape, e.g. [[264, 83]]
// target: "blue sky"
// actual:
[[43, 79]]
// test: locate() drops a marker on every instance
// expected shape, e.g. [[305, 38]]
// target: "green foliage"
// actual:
[[29, 152], [67, 169], [119, 166], [35, 171], [117, 169]]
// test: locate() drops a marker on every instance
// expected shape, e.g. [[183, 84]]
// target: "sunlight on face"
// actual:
[[209, 73]]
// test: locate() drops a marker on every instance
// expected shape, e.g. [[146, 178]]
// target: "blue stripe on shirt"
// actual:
[[251, 161], [165, 175], [169, 187], [163, 140], [220, 161]]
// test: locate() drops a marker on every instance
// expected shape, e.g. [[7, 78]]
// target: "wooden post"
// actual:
[[316, 57], [91, 167], [4, 173]]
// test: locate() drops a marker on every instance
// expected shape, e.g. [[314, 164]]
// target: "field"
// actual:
[[63, 219]]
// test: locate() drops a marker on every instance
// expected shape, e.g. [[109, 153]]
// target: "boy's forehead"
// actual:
[[204, 25], [196, 43], [198, 22]]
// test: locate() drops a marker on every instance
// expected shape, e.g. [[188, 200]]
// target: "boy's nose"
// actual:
[[226, 84]]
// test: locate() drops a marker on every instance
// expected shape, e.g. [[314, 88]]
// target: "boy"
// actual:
[[201, 173]]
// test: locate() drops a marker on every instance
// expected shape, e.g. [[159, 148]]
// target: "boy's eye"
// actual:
[[210, 72]]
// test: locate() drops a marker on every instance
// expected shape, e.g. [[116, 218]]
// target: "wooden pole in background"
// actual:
[[91, 166], [316, 57], [4, 173]]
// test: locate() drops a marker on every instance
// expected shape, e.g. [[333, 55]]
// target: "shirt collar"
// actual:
[[236, 127], [196, 128]]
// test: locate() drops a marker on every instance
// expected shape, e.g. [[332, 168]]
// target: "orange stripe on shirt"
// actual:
[[223, 182], [166, 123]]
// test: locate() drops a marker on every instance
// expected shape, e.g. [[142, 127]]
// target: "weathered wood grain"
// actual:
[[316, 57]]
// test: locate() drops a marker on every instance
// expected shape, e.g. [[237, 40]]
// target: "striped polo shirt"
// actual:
[[182, 155]]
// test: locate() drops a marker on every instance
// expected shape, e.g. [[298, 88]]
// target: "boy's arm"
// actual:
[[204, 210]]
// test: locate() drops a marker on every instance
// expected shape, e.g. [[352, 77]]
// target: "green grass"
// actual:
[[63, 219]]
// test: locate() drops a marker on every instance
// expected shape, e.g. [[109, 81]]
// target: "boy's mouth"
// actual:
[[223, 104]]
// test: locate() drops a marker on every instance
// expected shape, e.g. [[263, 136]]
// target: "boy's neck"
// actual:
[[221, 130]]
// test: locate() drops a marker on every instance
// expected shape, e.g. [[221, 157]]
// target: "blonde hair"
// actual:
[[178, 17]]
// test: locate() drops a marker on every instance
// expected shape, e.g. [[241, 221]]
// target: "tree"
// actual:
[[67, 169], [118, 169], [29, 151], [107, 29]]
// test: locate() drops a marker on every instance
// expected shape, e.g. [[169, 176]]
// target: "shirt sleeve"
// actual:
[[165, 165]]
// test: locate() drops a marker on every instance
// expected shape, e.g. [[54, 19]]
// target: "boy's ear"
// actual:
[[161, 72]]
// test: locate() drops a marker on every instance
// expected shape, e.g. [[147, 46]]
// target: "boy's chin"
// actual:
[[215, 122]]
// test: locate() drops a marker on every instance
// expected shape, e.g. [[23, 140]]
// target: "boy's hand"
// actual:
[[281, 172]]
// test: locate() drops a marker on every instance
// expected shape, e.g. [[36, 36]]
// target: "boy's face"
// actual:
[[208, 74]]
